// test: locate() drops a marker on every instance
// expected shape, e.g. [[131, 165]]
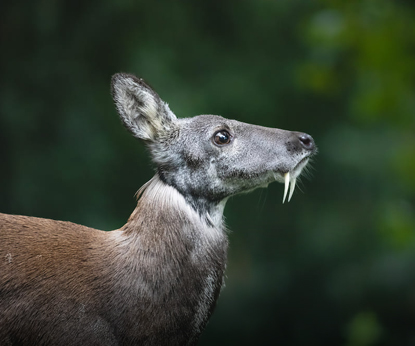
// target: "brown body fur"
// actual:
[[67, 284]]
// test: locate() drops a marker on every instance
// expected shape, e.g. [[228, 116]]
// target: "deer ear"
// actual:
[[141, 110]]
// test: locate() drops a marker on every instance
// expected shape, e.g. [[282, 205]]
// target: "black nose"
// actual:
[[307, 142]]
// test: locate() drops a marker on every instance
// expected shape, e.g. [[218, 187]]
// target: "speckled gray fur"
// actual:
[[202, 172]]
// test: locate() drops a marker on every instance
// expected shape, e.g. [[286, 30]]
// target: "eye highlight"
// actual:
[[222, 137]]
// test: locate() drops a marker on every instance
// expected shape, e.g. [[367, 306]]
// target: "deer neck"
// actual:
[[164, 221], [165, 206], [171, 253]]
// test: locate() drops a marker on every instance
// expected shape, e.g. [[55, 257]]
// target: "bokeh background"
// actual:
[[336, 266]]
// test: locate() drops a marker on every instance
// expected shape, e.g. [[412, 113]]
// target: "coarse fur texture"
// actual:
[[156, 280]]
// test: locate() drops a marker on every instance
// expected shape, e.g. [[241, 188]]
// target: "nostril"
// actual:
[[306, 141]]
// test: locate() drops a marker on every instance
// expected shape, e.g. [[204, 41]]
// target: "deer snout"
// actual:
[[307, 142], [299, 141]]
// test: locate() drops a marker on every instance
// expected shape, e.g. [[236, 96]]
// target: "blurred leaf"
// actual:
[[364, 329]]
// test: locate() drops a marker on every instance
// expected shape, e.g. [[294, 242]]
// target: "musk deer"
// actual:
[[154, 281]]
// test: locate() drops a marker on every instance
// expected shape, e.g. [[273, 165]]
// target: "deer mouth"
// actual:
[[290, 178]]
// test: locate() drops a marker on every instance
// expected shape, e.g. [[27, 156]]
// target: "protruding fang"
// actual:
[[287, 183], [292, 188]]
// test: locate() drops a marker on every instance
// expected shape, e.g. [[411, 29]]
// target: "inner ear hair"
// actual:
[[137, 104]]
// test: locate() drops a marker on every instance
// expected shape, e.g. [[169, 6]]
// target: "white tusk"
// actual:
[[287, 182], [292, 188]]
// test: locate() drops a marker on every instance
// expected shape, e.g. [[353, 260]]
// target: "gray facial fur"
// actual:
[[188, 159]]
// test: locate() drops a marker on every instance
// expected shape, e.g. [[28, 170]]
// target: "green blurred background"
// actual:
[[336, 266]]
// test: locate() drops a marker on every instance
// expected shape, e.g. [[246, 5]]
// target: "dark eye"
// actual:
[[222, 137]]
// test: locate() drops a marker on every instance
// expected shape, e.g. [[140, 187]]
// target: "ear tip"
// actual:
[[122, 78], [120, 81]]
